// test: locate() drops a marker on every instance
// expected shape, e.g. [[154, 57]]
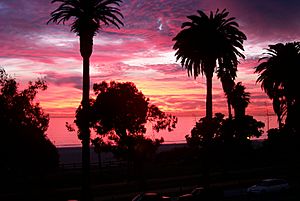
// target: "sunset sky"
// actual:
[[140, 52]]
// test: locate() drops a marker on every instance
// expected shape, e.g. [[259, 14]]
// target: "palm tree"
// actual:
[[205, 40], [89, 17], [227, 76], [240, 99], [278, 80]]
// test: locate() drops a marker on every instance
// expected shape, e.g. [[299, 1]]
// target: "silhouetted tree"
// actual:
[[244, 128], [120, 110], [206, 40], [240, 100], [224, 131], [24, 148], [227, 76], [120, 113], [89, 17], [280, 82], [205, 131], [222, 138]]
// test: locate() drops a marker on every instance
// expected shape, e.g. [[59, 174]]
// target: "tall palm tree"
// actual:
[[88, 18], [205, 40], [240, 99], [227, 73], [278, 79]]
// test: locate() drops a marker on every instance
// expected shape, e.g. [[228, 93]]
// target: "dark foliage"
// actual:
[[119, 115], [25, 148], [220, 132], [207, 38], [282, 141], [239, 99], [280, 82], [89, 16]]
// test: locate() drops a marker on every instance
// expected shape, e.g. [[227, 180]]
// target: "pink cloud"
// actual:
[[141, 51]]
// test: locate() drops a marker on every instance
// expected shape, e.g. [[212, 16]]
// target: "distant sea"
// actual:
[[61, 137]]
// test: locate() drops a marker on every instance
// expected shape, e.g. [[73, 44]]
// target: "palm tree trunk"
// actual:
[[209, 95], [206, 163], [85, 132], [229, 108], [86, 49]]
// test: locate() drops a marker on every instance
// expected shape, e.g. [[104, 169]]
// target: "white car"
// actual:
[[269, 186]]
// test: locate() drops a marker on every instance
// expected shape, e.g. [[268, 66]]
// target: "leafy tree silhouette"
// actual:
[[239, 100], [89, 18], [224, 131], [25, 148], [120, 113], [278, 80], [206, 40]]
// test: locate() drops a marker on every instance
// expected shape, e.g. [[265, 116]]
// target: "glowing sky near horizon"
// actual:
[[140, 52]]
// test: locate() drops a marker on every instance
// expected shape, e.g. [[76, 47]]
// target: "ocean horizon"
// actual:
[[61, 137]]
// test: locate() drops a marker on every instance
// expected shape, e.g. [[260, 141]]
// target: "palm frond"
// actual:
[[208, 38], [87, 15]]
